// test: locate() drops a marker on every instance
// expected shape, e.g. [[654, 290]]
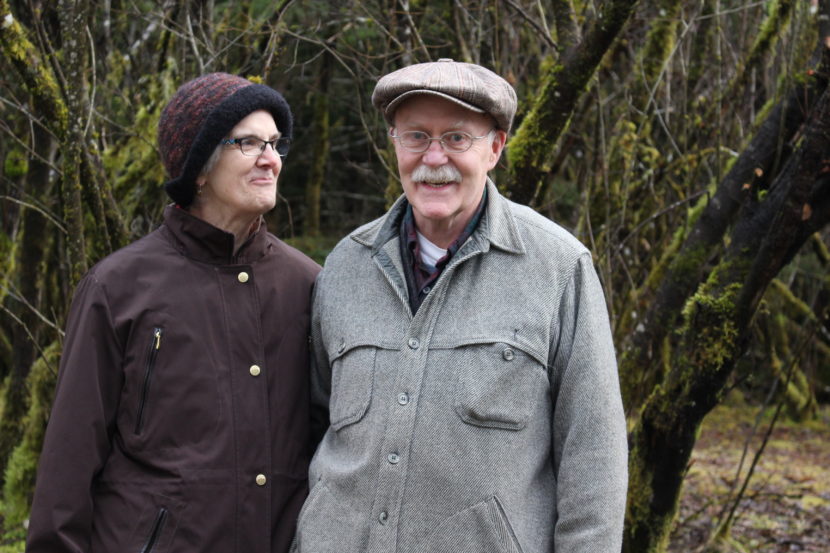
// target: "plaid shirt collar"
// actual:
[[420, 276]]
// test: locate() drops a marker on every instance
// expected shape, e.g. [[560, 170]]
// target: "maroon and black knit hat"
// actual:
[[199, 116]]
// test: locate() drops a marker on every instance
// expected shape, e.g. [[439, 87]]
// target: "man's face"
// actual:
[[444, 188]]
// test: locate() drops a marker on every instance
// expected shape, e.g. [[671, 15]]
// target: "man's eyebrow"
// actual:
[[420, 124]]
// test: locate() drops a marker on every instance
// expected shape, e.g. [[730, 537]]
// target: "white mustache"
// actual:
[[436, 175]]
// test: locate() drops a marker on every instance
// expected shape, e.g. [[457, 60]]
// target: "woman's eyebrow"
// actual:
[[252, 134]]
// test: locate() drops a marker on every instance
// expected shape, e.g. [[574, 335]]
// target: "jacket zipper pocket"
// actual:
[[155, 344], [158, 526]]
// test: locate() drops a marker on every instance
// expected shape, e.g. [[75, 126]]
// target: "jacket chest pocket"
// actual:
[[352, 380], [498, 385], [168, 381], [146, 384]]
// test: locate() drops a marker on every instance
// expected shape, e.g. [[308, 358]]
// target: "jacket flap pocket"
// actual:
[[499, 384], [352, 380]]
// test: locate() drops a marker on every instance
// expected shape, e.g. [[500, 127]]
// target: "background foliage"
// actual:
[[683, 141]]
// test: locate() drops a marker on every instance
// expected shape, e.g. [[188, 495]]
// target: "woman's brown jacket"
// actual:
[[180, 421]]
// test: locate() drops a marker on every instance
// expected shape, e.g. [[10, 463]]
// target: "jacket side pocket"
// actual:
[[156, 531], [155, 527], [329, 524], [152, 354], [480, 528]]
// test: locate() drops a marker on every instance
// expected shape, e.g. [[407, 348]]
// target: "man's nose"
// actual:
[[435, 154]]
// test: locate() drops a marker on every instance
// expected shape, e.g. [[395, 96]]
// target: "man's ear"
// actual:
[[497, 146]]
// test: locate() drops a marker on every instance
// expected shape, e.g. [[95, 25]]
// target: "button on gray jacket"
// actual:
[[490, 422]]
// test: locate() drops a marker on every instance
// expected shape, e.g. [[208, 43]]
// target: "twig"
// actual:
[[31, 337], [413, 28], [730, 516], [543, 33], [191, 36], [43, 212], [94, 82], [660, 213]]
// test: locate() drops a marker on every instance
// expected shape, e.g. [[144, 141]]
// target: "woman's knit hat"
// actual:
[[199, 115]]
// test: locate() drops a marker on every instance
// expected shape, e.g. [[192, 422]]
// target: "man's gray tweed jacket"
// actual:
[[490, 422]]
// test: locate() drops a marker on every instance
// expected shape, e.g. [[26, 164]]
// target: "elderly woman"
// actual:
[[180, 420]]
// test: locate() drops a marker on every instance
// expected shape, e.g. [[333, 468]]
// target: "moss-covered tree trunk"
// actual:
[[75, 54], [715, 330], [686, 265], [38, 80], [30, 254]]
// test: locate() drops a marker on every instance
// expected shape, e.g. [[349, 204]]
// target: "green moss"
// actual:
[[13, 541], [659, 46], [687, 262], [16, 164], [134, 166], [530, 145], [37, 78], [22, 466], [523, 147]]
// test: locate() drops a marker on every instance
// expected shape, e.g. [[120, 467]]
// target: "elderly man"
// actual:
[[463, 360]]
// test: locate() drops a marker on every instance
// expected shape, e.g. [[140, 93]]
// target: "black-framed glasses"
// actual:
[[253, 146], [454, 142]]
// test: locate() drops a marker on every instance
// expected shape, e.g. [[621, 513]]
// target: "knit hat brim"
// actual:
[[217, 125]]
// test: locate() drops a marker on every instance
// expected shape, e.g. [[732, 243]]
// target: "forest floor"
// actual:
[[786, 506]]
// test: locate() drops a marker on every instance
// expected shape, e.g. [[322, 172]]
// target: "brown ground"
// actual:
[[786, 506]]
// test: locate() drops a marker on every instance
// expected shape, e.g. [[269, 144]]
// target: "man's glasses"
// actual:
[[253, 146], [454, 142]]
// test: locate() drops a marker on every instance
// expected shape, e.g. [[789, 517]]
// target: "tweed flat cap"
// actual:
[[197, 118], [471, 86]]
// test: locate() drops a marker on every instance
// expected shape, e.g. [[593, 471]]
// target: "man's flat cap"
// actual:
[[471, 86]]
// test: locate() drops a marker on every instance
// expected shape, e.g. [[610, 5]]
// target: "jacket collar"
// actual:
[[201, 241], [497, 227]]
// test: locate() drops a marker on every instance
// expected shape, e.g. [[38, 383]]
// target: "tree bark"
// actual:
[[73, 23], [713, 335], [321, 146]]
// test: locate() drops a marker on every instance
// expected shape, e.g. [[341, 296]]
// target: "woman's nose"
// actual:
[[269, 155]]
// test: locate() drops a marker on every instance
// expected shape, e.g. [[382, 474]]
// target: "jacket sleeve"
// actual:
[[320, 372], [588, 426], [79, 431]]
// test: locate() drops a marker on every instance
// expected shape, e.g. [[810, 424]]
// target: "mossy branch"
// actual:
[[778, 14], [34, 73], [563, 84]]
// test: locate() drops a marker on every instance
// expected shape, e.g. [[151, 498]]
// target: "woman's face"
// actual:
[[239, 185]]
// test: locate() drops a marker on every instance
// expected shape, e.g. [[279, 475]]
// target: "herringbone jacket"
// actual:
[[489, 422]]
